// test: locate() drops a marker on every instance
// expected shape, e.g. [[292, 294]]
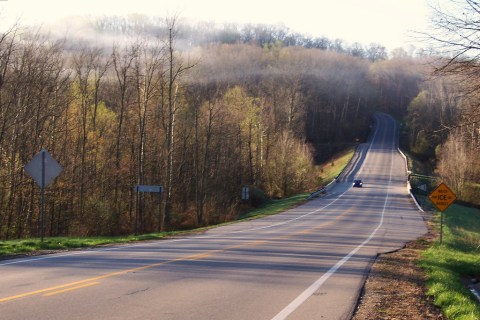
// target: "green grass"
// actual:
[[276, 206], [458, 255], [331, 169], [14, 247]]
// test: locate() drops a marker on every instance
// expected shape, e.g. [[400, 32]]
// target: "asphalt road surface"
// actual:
[[306, 263]]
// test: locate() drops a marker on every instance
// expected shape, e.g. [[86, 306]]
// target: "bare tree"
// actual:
[[148, 69], [456, 37], [454, 162], [123, 62], [90, 66], [176, 68]]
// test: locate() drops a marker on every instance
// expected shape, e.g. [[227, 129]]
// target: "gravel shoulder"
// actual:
[[395, 287]]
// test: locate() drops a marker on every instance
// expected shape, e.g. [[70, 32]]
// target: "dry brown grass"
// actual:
[[395, 288]]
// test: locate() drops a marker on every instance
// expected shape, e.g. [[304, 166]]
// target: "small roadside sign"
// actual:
[[423, 187], [245, 193], [145, 188], [442, 197], [141, 188], [43, 168]]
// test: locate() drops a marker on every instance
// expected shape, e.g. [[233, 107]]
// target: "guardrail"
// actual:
[[409, 187], [324, 190], [332, 183], [350, 165]]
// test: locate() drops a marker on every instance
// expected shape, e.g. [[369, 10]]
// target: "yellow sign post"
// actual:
[[442, 197]]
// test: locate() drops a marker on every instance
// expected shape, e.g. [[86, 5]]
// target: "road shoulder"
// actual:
[[395, 287]]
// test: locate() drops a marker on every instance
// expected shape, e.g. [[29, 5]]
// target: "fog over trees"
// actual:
[[444, 117], [200, 110]]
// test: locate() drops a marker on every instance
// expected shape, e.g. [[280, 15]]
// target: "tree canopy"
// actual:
[[202, 122]]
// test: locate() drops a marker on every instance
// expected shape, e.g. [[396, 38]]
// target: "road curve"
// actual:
[[306, 263]]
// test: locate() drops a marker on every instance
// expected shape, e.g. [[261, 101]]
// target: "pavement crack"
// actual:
[[137, 291]]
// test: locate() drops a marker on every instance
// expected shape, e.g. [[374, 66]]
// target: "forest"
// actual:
[[254, 106]]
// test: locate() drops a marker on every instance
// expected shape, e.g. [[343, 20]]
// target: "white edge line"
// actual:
[[118, 247], [307, 293], [409, 187], [475, 293]]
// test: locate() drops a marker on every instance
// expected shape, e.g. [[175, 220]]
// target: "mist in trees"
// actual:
[[203, 123], [443, 120]]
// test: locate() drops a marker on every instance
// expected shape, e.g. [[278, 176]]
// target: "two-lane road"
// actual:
[[306, 263]]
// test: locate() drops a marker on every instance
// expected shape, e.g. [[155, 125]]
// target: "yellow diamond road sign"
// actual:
[[442, 197]]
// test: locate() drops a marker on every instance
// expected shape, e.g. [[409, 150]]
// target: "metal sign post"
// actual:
[[245, 194], [148, 189], [43, 169], [42, 187], [442, 197]]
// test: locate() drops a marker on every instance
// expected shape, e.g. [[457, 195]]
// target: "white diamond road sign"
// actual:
[[43, 168]]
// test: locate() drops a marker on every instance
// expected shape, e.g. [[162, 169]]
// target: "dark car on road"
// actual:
[[357, 183]]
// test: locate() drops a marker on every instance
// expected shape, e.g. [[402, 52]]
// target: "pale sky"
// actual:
[[388, 22]]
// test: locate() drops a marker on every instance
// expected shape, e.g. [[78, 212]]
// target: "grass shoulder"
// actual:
[[34, 246], [332, 168], [447, 264]]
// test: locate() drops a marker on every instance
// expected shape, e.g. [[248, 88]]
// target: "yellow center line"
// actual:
[[318, 227], [71, 289], [203, 255], [198, 256], [105, 276]]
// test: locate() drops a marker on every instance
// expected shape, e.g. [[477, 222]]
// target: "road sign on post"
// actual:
[[138, 204], [442, 197], [144, 188], [43, 168], [423, 187], [245, 193]]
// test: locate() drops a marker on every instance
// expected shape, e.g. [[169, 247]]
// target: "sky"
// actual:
[[388, 22]]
